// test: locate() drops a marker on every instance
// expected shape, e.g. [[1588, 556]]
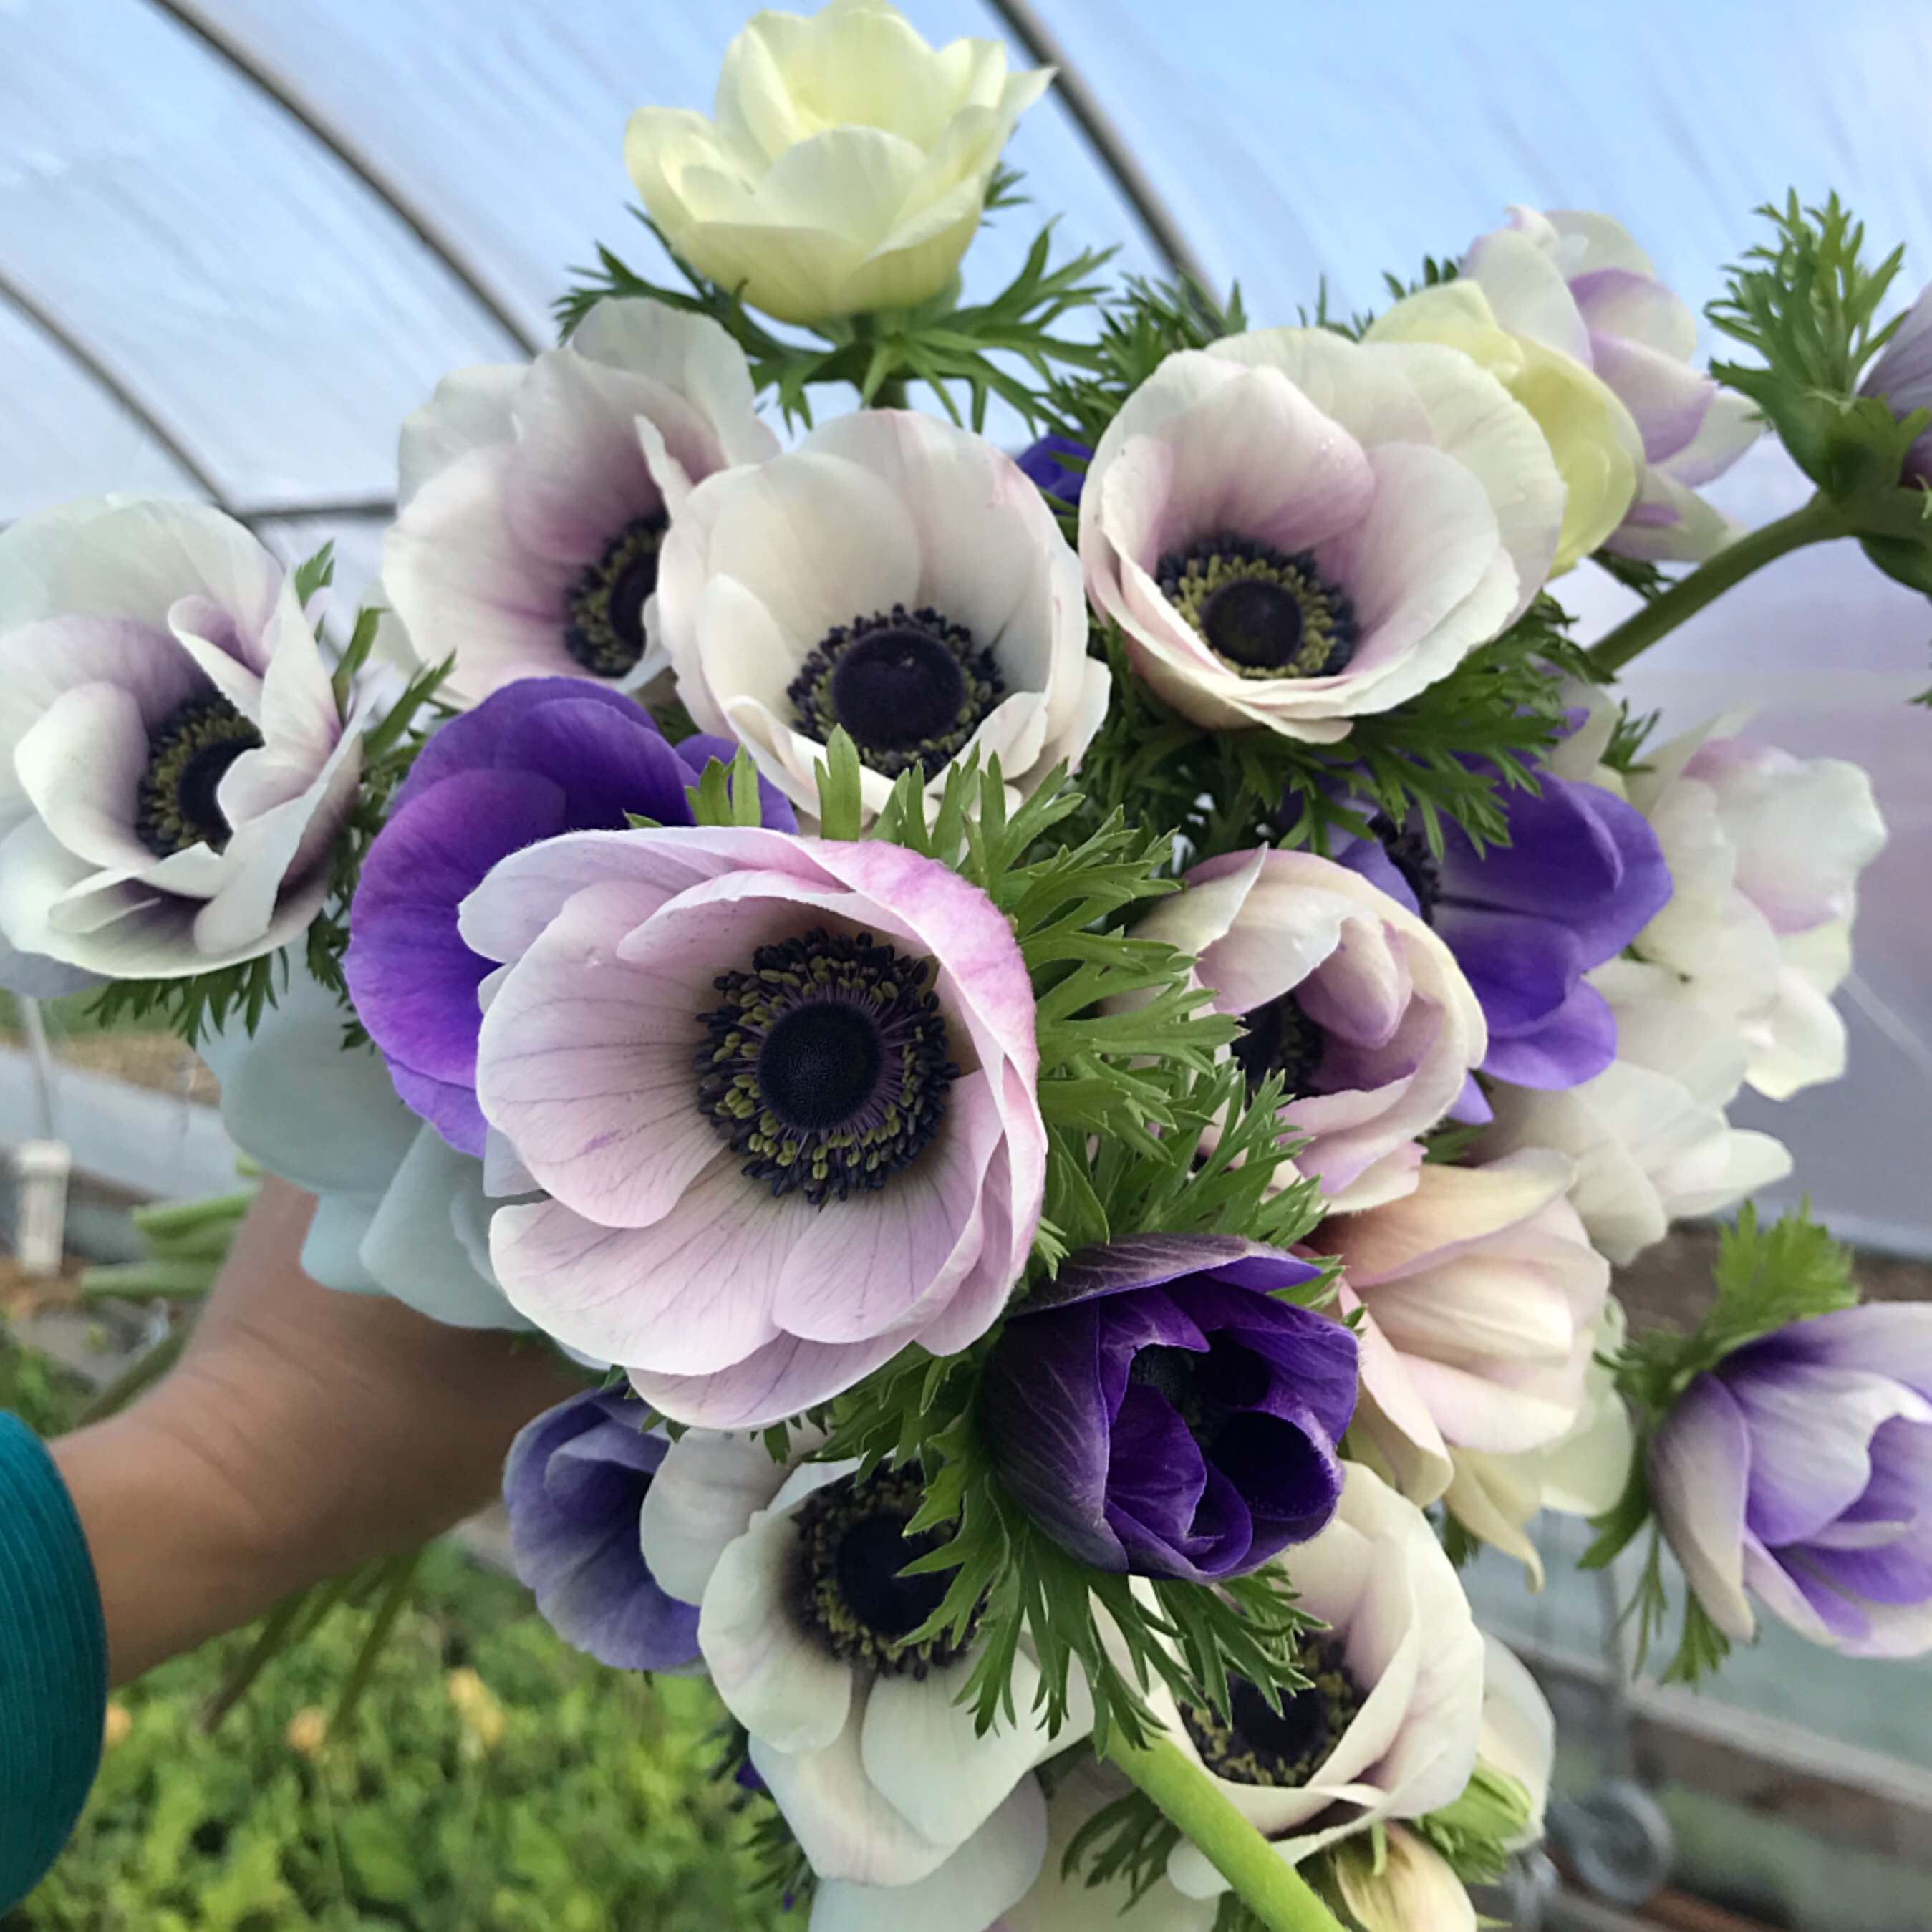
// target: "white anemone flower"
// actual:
[[1481, 1299], [848, 168], [1292, 529], [531, 523], [1764, 850], [1649, 1135], [803, 1624], [174, 767], [1519, 1735], [893, 574], [1348, 994], [1389, 1727], [398, 1210]]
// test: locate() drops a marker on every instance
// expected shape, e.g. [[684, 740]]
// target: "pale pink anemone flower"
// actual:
[[1348, 994], [896, 577], [1483, 1299], [780, 1094], [1292, 529], [531, 522], [174, 764]]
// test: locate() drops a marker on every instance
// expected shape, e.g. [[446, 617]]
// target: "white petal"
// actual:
[[705, 1492], [987, 1876], [777, 1677]]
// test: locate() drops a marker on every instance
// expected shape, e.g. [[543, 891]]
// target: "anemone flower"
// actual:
[[1292, 529], [1581, 875], [780, 1094], [892, 575], [809, 1630], [1156, 1409], [539, 757], [1482, 1299], [1389, 1725], [174, 766], [1800, 1468], [528, 538], [1575, 284], [575, 1488], [1346, 994]]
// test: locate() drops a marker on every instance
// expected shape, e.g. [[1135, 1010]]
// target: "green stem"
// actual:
[[1271, 1887], [1818, 522], [891, 394], [398, 1573]]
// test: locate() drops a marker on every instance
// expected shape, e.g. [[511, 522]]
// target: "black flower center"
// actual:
[[825, 1064], [189, 753], [1280, 1038], [852, 1588], [1281, 1749], [604, 627], [1409, 853], [1207, 1388], [910, 688], [1264, 612]]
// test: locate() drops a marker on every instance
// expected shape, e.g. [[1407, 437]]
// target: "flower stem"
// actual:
[[1818, 521], [1271, 1887]]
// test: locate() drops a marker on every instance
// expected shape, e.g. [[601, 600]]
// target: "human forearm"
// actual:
[[305, 1432]]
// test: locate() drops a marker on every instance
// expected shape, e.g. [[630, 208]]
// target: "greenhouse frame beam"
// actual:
[[237, 54], [1109, 145], [42, 318]]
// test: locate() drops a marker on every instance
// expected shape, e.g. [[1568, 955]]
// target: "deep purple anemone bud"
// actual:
[[542, 756], [1045, 463], [575, 1486], [1902, 376], [1581, 876], [1156, 1410]]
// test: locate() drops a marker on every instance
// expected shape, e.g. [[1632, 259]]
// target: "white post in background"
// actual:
[[41, 1166], [41, 1236]]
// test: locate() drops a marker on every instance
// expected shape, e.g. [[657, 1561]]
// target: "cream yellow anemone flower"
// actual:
[[1593, 438], [847, 169]]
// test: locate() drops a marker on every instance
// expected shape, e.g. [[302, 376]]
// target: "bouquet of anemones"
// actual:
[[1070, 1039]]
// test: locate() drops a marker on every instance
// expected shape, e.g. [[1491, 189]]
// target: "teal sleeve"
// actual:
[[53, 1664]]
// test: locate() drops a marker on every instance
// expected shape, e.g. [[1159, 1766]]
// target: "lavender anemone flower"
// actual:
[[1156, 1410], [575, 1486], [1801, 1468], [543, 756], [1045, 463], [1902, 376], [1581, 876], [781, 1093]]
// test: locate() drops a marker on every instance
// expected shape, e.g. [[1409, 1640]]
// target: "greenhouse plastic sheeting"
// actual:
[[240, 239]]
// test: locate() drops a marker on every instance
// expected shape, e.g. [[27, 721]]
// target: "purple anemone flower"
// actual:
[[575, 1486], [1801, 1468], [1044, 463], [542, 756], [1156, 1410], [1581, 876]]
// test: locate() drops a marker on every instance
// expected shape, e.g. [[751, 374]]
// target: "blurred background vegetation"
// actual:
[[489, 1779]]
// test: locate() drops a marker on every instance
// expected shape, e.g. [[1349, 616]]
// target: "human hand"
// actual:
[[305, 1432]]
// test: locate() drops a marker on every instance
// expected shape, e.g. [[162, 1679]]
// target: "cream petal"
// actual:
[[469, 410]]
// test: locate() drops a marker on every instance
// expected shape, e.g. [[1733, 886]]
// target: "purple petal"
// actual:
[[1522, 967], [1574, 1043], [1156, 1479], [413, 979], [574, 1485]]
